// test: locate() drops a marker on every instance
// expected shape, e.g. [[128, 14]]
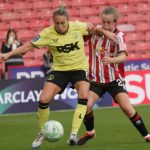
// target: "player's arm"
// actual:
[[99, 30], [119, 59], [90, 28], [108, 34], [20, 50]]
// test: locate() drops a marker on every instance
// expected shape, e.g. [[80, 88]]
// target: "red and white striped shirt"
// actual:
[[99, 47]]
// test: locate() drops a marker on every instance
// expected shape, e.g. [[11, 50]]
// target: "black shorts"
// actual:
[[113, 88], [62, 78]]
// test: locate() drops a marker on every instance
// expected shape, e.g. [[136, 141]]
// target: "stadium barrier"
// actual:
[[19, 96]]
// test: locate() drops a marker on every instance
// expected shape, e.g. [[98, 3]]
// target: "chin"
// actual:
[[61, 32]]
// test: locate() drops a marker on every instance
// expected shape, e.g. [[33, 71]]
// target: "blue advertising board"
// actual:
[[19, 96], [134, 65]]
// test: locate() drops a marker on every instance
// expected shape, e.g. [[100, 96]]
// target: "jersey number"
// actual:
[[121, 82]]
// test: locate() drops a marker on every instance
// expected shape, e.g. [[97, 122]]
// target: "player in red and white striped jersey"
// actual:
[[106, 74], [101, 48]]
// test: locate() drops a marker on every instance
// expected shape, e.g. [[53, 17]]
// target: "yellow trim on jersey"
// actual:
[[67, 50]]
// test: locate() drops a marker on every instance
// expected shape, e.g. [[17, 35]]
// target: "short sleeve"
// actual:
[[83, 27], [41, 40], [122, 42]]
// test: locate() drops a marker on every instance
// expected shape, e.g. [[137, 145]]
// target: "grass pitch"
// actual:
[[114, 131]]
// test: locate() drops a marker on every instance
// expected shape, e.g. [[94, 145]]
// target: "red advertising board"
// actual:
[[138, 86]]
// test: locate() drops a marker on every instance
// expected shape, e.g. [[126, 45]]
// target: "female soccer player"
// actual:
[[65, 39], [106, 72]]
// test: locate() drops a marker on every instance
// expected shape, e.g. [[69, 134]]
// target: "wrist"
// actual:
[[114, 60]]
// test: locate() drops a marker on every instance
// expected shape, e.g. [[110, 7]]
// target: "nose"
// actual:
[[105, 24], [60, 27]]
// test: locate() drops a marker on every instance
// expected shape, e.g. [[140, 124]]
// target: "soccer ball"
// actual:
[[53, 130]]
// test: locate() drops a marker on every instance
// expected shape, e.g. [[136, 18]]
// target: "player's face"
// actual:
[[108, 22], [61, 24]]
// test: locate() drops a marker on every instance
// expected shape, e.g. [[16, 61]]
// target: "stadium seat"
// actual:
[[98, 2], [72, 18], [49, 22], [38, 23], [41, 4], [146, 55], [88, 11], [113, 2], [29, 15], [126, 8], [141, 46], [32, 62], [136, 36], [73, 12], [130, 47], [138, 56], [126, 27], [135, 17], [4, 26], [26, 34], [29, 55], [148, 17], [5, 7], [143, 7], [148, 36], [122, 19], [83, 18], [22, 5], [10, 16], [137, 1], [57, 3], [131, 56], [94, 19], [66, 3], [80, 3], [142, 26], [3, 35], [38, 53], [19, 24], [46, 13]]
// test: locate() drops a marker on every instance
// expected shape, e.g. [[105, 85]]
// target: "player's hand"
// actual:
[[91, 28], [108, 60], [4, 56]]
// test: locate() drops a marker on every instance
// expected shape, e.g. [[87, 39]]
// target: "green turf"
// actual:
[[114, 131]]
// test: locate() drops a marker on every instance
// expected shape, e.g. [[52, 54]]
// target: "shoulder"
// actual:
[[119, 33], [77, 24], [47, 30]]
